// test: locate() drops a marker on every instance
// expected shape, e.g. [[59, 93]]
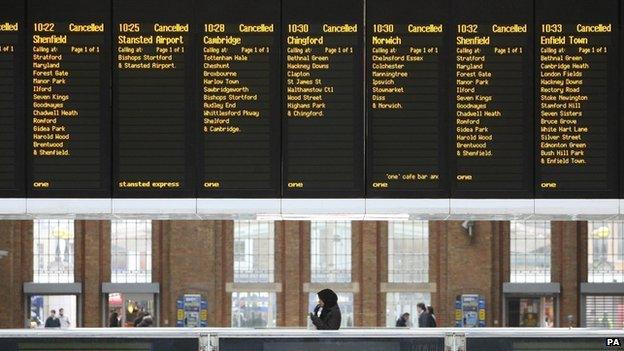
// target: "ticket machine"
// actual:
[[470, 311]]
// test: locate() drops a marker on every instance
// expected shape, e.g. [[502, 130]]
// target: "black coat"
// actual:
[[329, 319], [432, 321], [401, 322], [425, 320], [52, 322]]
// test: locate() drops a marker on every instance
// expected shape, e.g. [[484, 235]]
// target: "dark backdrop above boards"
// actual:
[[153, 98], [407, 98], [322, 100], [12, 133], [491, 99], [238, 81], [576, 108], [69, 116]]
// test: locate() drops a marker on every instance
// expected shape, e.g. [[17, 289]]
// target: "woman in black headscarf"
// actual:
[[330, 317]]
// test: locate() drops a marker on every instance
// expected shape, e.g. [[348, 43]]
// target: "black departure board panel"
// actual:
[[492, 99], [239, 81], [406, 98], [69, 116], [576, 98], [487, 99], [322, 102], [12, 82], [153, 89]]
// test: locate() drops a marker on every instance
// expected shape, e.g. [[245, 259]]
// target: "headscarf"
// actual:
[[329, 298]]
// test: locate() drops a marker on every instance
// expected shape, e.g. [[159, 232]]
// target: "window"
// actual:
[[398, 303], [254, 252], [345, 302], [605, 252], [330, 246], [530, 251], [53, 245], [254, 262], [131, 251], [408, 262], [604, 312], [408, 252], [253, 309]]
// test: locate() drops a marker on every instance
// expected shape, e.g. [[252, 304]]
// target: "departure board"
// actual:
[[239, 81], [153, 88], [69, 98], [12, 98], [406, 98], [492, 99], [322, 98], [577, 90]]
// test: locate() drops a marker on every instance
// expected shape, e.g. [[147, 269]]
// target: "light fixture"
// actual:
[[469, 226]]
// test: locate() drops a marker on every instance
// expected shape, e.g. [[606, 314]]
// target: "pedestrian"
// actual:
[[403, 321], [139, 318], [432, 318], [52, 321], [147, 321], [113, 322], [330, 316], [424, 320], [63, 319]]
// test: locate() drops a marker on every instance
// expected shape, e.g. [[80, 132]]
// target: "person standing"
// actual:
[[63, 319], [52, 321], [146, 321], [139, 318], [432, 318], [403, 321], [330, 317], [424, 320], [114, 320]]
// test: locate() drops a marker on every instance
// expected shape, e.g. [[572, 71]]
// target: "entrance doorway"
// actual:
[[131, 308], [530, 312], [40, 306]]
